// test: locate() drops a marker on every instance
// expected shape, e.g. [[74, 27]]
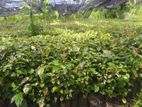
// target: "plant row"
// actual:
[[44, 69]]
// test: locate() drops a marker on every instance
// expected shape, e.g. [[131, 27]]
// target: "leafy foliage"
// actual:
[[47, 68], [68, 58]]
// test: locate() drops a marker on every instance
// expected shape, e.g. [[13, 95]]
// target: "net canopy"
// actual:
[[9, 7], [91, 4], [72, 6], [64, 7]]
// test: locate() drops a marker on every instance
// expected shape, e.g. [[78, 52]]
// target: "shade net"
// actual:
[[64, 7]]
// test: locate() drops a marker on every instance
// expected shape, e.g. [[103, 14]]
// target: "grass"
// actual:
[[18, 26]]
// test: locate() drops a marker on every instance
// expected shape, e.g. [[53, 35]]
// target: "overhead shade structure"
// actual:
[[9, 7], [115, 3], [91, 4], [66, 7]]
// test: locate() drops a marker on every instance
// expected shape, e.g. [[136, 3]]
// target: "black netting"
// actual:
[[91, 4], [64, 7], [69, 7], [9, 7]]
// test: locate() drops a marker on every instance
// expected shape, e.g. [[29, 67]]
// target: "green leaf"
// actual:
[[55, 69], [61, 91], [107, 53], [24, 104], [55, 62], [40, 71], [55, 88], [96, 88], [75, 48], [13, 85], [124, 100], [18, 99]]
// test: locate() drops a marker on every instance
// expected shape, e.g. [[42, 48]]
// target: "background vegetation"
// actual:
[[45, 57]]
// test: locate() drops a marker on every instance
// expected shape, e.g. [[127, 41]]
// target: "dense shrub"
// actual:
[[46, 68], [138, 100], [118, 12]]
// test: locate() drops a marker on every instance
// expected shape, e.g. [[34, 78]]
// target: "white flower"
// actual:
[[41, 102], [26, 88], [33, 48], [13, 58], [24, 80]]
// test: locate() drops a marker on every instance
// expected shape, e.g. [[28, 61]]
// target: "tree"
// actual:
[[34, 6]]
